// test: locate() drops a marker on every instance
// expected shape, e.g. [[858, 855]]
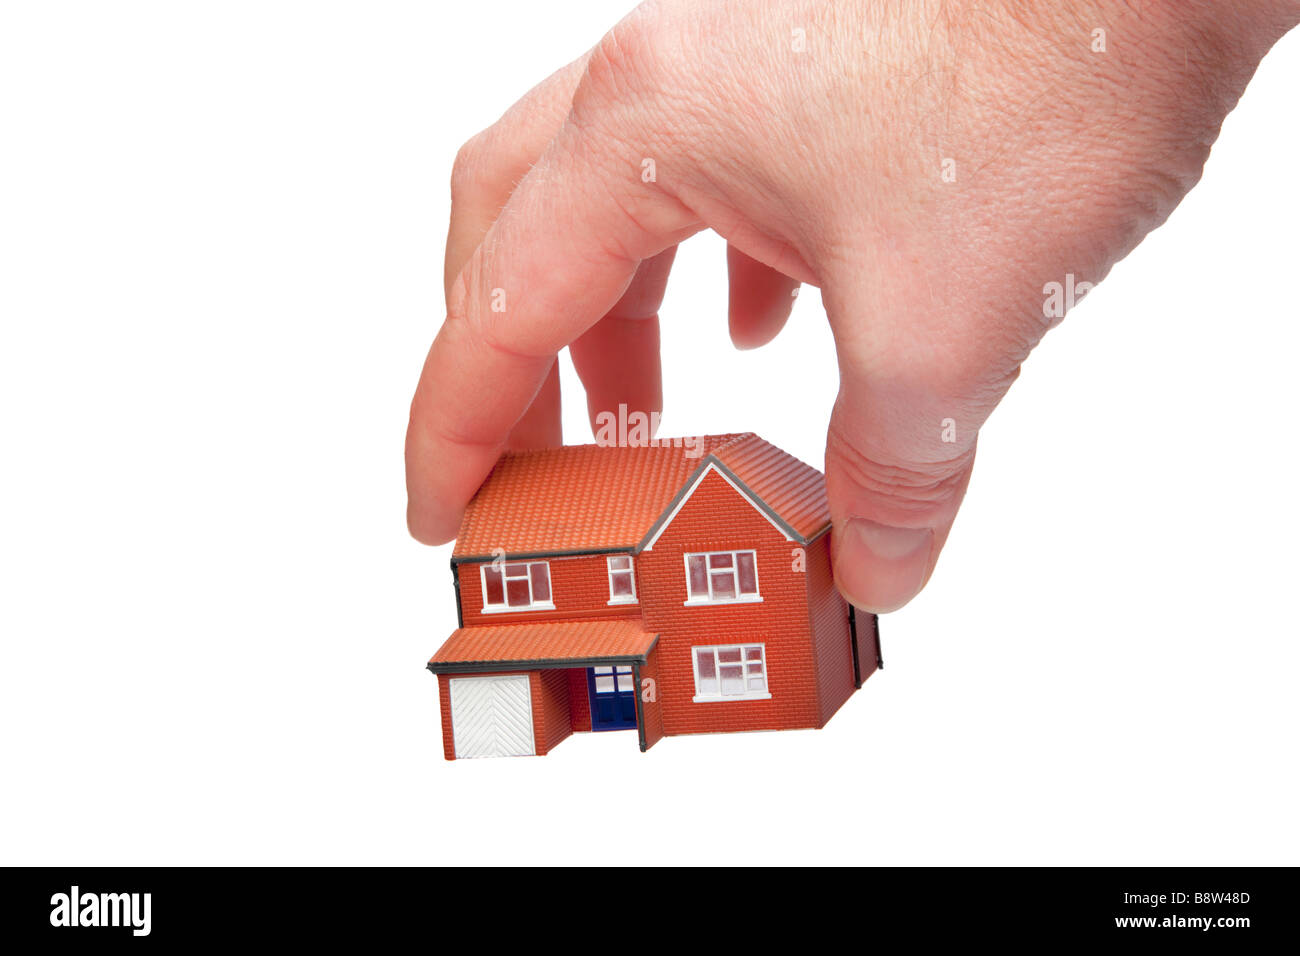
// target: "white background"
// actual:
[[221, 233]]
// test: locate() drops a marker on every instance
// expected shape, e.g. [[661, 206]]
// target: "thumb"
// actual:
[[913, 394]]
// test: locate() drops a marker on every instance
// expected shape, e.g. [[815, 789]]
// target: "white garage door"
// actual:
[[492, 716]]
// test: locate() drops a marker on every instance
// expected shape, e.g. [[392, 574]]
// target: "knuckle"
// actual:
[[466, 169], [1163, 185], [647, 92], [893, 489], [624, 61], [649, 64], [637, 213]]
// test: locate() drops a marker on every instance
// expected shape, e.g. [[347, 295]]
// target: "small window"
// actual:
[[622, 580], [517, 586], [731, 672], [722, 577], [609, 680]]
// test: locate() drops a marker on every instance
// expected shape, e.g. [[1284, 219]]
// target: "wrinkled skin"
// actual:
[[821, 165]]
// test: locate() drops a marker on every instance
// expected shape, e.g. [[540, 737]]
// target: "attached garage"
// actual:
[[520, 689], [492, 716]]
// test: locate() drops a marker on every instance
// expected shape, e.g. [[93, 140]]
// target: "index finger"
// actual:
[[559, 256]]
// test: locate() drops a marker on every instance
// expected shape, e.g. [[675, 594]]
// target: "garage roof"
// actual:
[[503, 647]]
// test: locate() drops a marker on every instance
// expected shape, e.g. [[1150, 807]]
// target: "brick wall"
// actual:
[[717, 518], [579, 590], [444, 706], [832, 640], [579, 701], [551, 719]]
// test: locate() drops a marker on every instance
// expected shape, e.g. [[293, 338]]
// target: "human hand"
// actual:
[[932, 166]]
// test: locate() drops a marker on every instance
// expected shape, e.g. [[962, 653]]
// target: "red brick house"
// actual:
[[672, 588]]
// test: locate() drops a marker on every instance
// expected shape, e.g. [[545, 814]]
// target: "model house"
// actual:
[[671, 588]]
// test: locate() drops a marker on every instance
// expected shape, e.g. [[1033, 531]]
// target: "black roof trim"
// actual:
[[493, 667], [534, 555]]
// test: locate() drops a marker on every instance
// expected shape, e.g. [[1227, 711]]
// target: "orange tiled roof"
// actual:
[[795, 492], [506, 646], [592, 497]]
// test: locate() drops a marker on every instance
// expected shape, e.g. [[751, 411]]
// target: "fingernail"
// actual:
[[880, 568]]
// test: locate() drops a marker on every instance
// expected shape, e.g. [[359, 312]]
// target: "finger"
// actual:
[[560, 256], [492, 162], [541, 424], [618, 357], [902, 439], [483, 177], [760, 302]]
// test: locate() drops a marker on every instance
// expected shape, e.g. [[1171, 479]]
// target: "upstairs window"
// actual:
[[622, 580], [517, 586], [721, 577], [730, 672]]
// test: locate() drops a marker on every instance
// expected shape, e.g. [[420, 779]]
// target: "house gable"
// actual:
[[715, 517], [712, 465]]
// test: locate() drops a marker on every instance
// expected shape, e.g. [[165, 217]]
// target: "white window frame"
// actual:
[[745, 663], [615, 673], [506, 608], [630, 571], [692, 601]]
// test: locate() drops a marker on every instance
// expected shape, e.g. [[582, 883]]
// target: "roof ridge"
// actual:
[[734, 439]]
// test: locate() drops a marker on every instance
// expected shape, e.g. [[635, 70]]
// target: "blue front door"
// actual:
[[613, 697]]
